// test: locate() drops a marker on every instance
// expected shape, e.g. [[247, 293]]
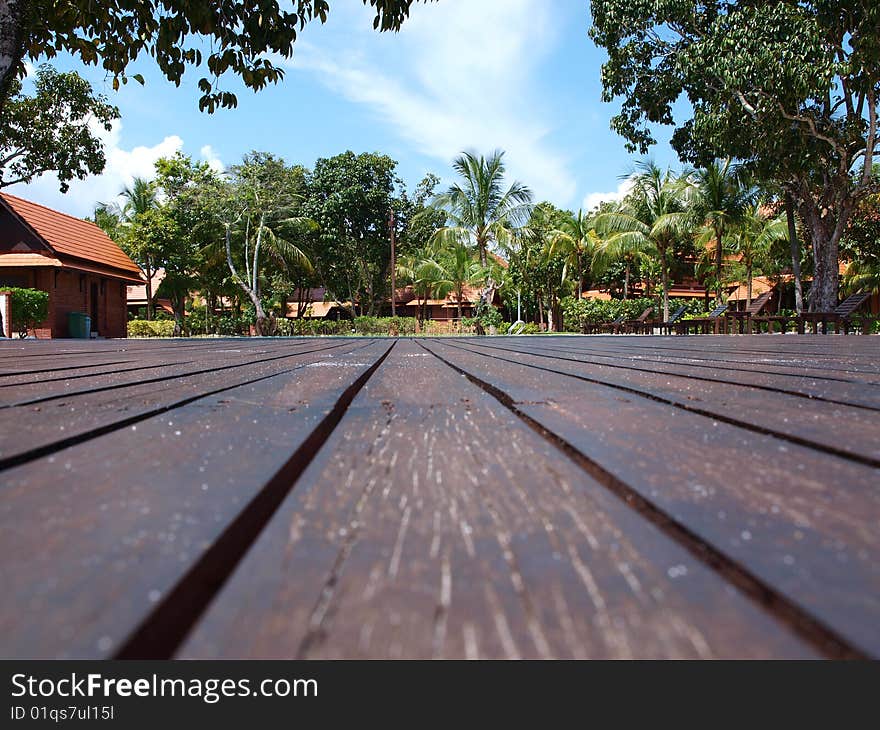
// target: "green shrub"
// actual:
[[29, 308], [146, 328]]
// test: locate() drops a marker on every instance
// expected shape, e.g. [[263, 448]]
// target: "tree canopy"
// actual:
[[53, 130], [227, 36], [790, 87]]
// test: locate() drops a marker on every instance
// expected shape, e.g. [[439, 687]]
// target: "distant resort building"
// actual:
[[317, 304], [71, 259]]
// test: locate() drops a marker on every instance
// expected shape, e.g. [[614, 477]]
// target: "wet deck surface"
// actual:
[[604, 497]]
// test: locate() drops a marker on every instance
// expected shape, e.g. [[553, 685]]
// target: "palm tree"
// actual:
[[478, 208], [651, 217], [751, 240], [451, 270], [630, 247], [576, 238], [719, 197], [139, 199]]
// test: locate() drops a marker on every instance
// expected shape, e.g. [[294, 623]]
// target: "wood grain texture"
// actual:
[[538, 497], [436, 524]]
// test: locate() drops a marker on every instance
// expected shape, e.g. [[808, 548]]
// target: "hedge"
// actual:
[[577, 314], [146, 328], [29, 308]]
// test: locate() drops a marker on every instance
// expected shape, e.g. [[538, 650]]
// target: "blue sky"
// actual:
[[462, 74]]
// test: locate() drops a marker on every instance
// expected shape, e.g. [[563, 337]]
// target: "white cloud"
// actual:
[[459, 76], [208, 154], [123, 165], [593, 200]]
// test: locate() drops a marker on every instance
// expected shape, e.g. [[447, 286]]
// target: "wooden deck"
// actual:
[[479, 497]]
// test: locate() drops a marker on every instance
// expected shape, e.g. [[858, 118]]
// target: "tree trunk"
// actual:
[[825, 233], [580, 276], [795, 247], [459, 294], [14, 22], [665, 277], [260, 314], [626, 282], [149, 288], [719, 255], [748, 287]]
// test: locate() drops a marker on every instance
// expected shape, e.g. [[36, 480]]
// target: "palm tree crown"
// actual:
[[478, 208], [719, 196], [652, 218]]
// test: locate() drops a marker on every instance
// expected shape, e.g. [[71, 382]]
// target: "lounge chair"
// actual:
[[640, 324], [666, 327], [605, 327], [743, 319], [715, 322], [840, 317]]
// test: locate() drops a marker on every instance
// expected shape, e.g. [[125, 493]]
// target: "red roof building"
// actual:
[[71, 259]]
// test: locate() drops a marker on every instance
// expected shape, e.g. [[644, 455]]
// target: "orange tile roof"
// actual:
[[69, 236]]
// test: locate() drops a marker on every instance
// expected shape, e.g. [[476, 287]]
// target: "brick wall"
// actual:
[[71, 291]]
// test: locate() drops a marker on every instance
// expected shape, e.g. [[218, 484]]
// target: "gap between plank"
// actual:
[[168, 625], [824, 639]]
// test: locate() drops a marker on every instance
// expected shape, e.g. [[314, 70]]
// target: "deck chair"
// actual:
[[840, 317], [640, 324], [666, 327], [714, 322], [743, 319], [605, 327]]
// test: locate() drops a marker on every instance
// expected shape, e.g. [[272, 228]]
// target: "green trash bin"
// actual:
[[79, 324]]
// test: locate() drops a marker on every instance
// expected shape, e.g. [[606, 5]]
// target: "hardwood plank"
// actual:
[[801, 523], [32, 430], [835, 386], [189, 365], [783, 362], [809, 422], [433, 523], [96, 537]]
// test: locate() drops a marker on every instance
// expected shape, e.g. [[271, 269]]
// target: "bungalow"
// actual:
[[71, 259]]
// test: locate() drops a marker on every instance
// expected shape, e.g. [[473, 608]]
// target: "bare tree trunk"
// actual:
[[825, 232], [580, 276], [260, 313], [665, 277], [149, 287], [795, 247], [626, 282], [719, 255], [14, 22], [748, 287]]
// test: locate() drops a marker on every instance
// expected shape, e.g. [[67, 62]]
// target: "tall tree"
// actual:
[[575, 238], [142, 235], [478, 208], [349, 196], [789, 87], [241, 35], [52, 130], [265, 219], [451, 269], [652, 216], [631, 248], [751, 240], [721, 198]]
